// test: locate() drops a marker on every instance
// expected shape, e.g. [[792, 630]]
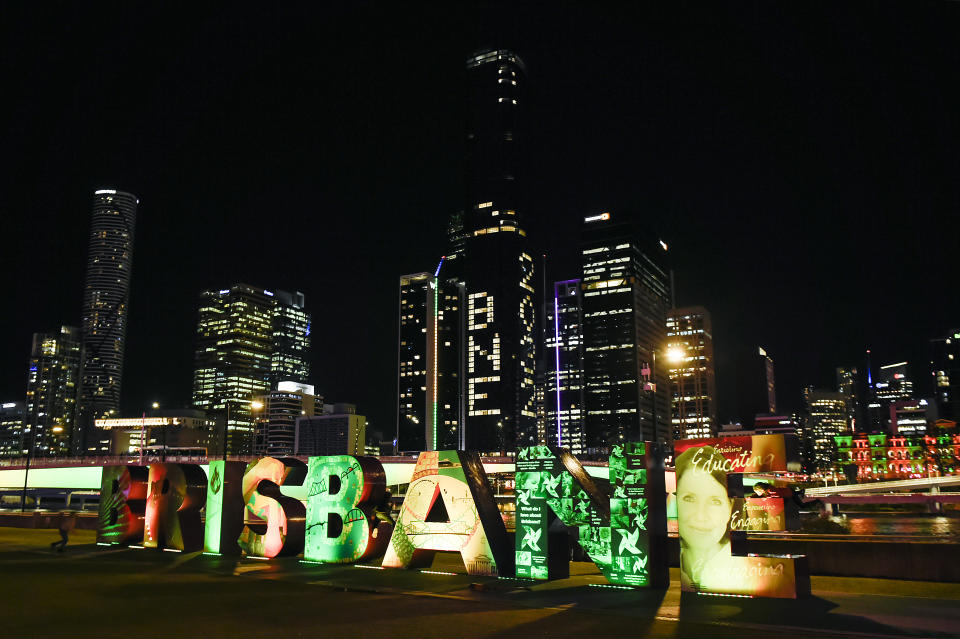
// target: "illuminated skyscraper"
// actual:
[[106, 299], [625, 301], [563, 384], [50, 423], [692, 375], [893, 384], [500, 412], [291, 339], [247, 338], [826, 419], [945, 370], [429, 362], [848, 383], [11, 429]]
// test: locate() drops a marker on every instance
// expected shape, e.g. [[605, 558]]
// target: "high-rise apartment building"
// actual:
[[500, 324], [50, 423], [625, 301], [246, 338], [429, 362], [11, 429], [692, 373], [945, 370], [106, 300], [826, 419], [563, 384]]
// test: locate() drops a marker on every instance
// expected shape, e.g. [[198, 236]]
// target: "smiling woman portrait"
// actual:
[[703, 520]]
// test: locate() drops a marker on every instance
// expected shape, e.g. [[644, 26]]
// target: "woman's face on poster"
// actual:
[[703, 509]]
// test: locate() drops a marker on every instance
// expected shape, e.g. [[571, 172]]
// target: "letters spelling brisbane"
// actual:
[[449, 505]]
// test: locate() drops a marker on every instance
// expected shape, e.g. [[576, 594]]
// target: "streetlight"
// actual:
[[255, 405]]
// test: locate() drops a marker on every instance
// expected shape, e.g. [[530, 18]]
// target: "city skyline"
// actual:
[[787, 243]]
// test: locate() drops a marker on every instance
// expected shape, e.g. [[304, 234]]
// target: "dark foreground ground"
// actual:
[[94, 591]]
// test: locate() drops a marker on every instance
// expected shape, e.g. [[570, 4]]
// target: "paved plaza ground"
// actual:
[[95, 591]]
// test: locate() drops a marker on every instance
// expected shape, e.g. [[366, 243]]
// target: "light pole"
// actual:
[[223, 443]]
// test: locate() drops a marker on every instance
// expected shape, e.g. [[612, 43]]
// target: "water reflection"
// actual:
[[900, 524]]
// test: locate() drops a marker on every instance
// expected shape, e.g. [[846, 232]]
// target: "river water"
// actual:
[[939, 526]]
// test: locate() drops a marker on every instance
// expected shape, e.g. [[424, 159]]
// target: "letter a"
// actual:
[[450, 506]]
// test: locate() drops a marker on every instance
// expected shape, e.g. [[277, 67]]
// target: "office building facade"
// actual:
[[106, 301], [945, 371], [53, 381], [500, 317], [11, 429], [625, 301], [692, 373], [826, 420], [430, 362], [848, 384], [276, 419], [563, 403], [246, 339], [338, 430], [160, 433]]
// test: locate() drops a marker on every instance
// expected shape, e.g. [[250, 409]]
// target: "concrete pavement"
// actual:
[[92, 591]]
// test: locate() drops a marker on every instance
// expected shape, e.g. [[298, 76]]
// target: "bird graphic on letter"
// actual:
[[628, 542], [550, 484], [640, 564], [532, 539]]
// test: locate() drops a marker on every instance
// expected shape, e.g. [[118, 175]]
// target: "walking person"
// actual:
[[68, 521]]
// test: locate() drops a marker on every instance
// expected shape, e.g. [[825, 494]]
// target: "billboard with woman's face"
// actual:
[[707, 478]]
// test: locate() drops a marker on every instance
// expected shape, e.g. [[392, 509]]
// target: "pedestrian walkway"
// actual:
[[231, 594]]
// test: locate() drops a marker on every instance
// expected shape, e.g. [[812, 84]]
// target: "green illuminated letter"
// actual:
[[342, 493]]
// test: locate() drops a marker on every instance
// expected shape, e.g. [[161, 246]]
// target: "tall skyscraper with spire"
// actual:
[[500, 327], [106, 301]]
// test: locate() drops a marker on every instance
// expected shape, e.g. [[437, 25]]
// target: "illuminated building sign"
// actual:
[[135, 422], [624, 535], [710, 490]]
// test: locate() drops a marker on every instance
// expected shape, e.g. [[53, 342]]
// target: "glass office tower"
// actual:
[[625, 301], [50, 423], [248, 340], [693, 387]]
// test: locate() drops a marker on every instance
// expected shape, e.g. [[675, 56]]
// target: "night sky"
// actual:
[[801, 160]]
